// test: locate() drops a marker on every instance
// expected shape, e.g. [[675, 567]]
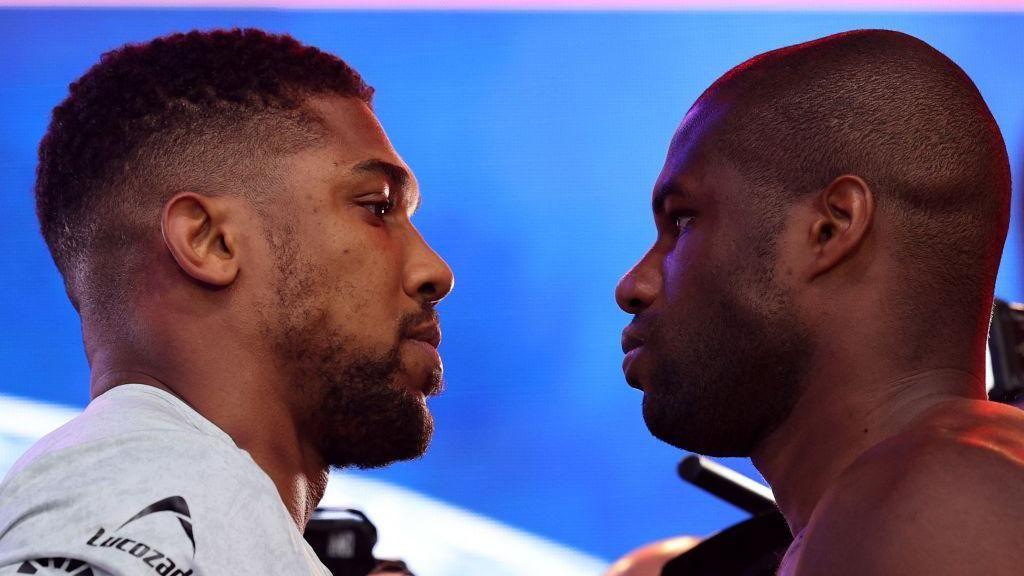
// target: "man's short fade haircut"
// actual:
[[201, 111], [891, 109]]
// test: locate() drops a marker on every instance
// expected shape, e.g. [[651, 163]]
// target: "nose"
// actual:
[[639, 288], [428, 277]]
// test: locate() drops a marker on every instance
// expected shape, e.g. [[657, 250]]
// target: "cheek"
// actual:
[[366, 275], [697, 275], [682, 270]]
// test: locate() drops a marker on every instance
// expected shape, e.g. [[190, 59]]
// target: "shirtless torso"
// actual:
[[944, 496]]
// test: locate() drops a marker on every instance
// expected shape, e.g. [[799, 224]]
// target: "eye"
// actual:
[[683, 222], [380, 209]]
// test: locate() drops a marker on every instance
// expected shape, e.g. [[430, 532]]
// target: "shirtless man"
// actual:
[[233, 227], [830, 220]]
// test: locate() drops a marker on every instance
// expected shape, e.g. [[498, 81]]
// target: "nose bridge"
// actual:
[[427, 276], [641, 285]]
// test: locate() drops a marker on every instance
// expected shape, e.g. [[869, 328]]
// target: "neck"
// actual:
[[247, 406], [844, 411]]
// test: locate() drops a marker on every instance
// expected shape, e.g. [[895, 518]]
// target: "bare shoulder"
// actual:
[[945, 497]]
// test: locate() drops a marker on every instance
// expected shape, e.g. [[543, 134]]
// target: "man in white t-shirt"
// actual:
[[233, 227]]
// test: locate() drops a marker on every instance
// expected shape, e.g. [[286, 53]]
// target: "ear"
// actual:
[[195, 232], [843, 214]]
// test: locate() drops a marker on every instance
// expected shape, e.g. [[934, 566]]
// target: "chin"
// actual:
[[682, 422], [390, 433], [412, 450], [424, 377], [420, 380]]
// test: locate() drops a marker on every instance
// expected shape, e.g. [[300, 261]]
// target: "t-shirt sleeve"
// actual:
[[172, 505]]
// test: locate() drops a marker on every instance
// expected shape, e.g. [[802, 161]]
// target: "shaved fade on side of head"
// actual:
[[208, 112], [891, 109]]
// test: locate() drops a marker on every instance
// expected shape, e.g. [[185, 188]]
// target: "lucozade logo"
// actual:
[[155, 559]]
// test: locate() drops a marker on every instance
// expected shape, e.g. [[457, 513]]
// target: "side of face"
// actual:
[[348, 308], [714, 344]]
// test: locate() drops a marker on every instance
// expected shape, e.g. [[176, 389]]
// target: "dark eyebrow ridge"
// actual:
[[398, 176], [663, 191]]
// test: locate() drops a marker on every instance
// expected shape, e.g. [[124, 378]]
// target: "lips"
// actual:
[[422, 342], [630, 340], [428, 333], [632, 345], [629, 368]]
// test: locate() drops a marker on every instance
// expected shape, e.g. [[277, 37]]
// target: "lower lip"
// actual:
[[426, 349], [628, 367]]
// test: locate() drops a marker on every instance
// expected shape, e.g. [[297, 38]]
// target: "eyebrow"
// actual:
[[663, 191], [397, 175]]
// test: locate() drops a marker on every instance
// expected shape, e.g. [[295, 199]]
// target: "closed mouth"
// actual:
[[630, 341], [429, 333]]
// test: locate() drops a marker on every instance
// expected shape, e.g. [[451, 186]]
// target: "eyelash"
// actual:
[[380, 209]]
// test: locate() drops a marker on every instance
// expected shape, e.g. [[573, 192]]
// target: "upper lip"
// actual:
[[429, 333], [630, 339]]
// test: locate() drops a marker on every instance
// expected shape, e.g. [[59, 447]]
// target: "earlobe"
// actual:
[[844, 211], [196, 234]]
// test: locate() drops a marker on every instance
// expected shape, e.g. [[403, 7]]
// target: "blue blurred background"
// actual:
[[536, 138]]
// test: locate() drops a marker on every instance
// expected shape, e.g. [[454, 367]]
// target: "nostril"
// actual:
[[635, 304], [428, 291]]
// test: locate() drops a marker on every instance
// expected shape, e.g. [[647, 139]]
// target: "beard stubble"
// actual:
[[722, 389], [347, 398]]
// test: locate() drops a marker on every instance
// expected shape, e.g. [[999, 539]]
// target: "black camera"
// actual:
[[343, 539], [1006, 347]]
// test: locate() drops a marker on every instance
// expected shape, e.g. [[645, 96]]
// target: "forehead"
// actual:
[[693, 166], [353, 134]]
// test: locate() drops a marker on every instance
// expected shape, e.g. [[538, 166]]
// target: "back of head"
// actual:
[[204, 111], [891, 109]]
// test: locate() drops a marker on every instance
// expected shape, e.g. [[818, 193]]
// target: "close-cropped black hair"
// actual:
[[202, 110]]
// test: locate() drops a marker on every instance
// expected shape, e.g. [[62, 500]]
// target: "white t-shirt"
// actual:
[[141, 484]]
